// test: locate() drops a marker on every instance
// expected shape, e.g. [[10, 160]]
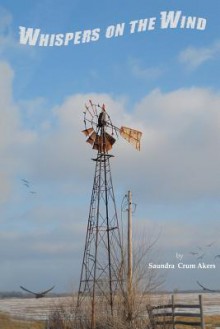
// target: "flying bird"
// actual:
[[37, 294], [217, 256], [201, 252], [206, 289], [201, 256], [28, 185], [210, 244], [26, 182], [193, 253]]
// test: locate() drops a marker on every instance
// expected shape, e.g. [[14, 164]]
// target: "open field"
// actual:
[[32, 308], [6, 322], [29, 309]]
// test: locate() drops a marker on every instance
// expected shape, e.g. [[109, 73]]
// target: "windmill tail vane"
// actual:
[[132, 136], [101, 131]]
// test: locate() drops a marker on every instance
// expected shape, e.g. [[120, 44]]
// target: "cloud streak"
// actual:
[[194, 57], [139, 71]]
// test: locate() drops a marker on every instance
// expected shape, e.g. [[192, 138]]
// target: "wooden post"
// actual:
[[129, 244], [201, 312], [173, 312], [129, 269]]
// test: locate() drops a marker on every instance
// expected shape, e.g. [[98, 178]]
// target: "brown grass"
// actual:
[[6, 322], [211, 322]]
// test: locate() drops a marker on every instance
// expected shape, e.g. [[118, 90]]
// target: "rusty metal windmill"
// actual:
[[100, 274]]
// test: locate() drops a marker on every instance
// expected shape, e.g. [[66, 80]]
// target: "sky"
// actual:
[[162, 79]]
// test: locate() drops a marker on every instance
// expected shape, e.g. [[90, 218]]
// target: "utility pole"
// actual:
[[130, 258]]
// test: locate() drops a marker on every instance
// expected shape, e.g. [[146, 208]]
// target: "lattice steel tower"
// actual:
[[101, 273]]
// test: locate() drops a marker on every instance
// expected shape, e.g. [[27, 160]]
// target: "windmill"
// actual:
[[100, 273]]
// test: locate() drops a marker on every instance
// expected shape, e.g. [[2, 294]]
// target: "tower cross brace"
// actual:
[[100, 274]]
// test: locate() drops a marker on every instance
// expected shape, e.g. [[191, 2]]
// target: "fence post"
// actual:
[[173, 311], [201, 312], [151, 317]]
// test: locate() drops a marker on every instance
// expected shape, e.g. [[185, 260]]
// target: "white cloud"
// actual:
[[179, 162], [179, 158], [8, 40], [12, 137], [5, 31], [194, 57], [61, 152]]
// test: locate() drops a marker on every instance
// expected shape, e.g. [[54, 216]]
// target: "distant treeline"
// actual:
[[18, 294], [9, 294]]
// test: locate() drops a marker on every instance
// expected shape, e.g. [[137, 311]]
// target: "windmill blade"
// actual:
[[98, 143], [109, 141], [132, 136], [88, 131], [92, 138], [103, 144]]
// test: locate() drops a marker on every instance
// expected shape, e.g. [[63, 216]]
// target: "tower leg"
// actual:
[[99, 281]]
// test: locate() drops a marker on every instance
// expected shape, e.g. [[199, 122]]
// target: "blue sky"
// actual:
[[164, 82]]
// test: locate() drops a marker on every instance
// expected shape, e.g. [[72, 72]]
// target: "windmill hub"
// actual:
[[102, 119], [101, 129]]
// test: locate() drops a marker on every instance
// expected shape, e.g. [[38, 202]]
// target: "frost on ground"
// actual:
[[39, 309]]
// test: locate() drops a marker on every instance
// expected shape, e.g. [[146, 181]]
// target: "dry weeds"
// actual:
[[6, 322]]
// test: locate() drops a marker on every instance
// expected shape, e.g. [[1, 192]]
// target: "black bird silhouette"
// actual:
[[37, 294], [201, 256], [28, 185], [206, 289], [210, 244], [26, 182], [193, 253]]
